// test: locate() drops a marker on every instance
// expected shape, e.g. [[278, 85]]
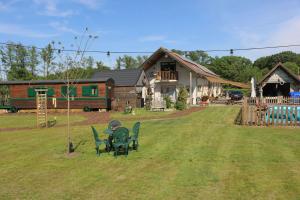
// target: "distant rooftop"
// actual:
[[35, 82], [124, 77]]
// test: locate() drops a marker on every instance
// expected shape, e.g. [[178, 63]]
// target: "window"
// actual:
[[168, 66], [72, 91], [90, 91], [31, 91], [50, 92]]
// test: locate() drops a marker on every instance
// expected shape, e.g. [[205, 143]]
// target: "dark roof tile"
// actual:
[[124, 77]]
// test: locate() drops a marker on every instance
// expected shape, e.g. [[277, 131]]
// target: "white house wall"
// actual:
[[206, 89]]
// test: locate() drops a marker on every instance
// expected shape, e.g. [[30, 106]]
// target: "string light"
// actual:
[[108, 53]]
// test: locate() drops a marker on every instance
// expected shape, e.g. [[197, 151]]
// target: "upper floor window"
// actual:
[[168, 66]]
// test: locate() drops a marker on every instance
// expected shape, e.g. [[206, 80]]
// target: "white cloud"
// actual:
[[18, 30], [91, 4], [6, 6], [62, 27], [50, 8], [153, 38], [157, 38], [284, 33]]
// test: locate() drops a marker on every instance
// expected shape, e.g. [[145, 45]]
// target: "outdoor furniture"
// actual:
[[112, 126], [98, 142], [121, 140], [135, 136]]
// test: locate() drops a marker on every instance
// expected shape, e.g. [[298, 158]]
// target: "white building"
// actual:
[[167, 72]]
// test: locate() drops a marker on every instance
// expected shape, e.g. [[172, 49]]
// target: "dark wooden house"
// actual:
[[84, 94], [130, 87], [279, 81]]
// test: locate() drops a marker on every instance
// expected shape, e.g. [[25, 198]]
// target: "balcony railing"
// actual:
[[167, 75]]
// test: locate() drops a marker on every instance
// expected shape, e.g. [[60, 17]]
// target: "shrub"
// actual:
[[168, 101], [180, 105], [182, 95], [182, 98]]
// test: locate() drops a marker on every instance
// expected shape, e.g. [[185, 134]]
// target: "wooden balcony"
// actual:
[[167, 75]]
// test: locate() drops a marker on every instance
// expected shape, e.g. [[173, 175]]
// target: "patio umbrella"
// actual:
[[253, 87]]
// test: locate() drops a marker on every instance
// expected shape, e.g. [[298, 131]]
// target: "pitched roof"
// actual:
[[124, 77], [286, 70], [36, 82], [197, 68]]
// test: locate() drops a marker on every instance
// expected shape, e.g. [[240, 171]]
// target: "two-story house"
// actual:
[[167, 71]]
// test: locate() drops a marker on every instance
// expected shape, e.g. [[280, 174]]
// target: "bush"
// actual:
[[182, 95], [168, 101], [182, 98], [180, 105]]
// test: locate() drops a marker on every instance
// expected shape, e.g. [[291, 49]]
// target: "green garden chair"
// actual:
[[135, 136], [98, 142], [111, 125], [120, 140]]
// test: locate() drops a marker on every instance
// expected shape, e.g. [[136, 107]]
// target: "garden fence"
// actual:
[[270, 111]]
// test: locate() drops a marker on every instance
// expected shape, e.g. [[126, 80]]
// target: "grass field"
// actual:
[[199, 156], [138, 113], [29, 119]]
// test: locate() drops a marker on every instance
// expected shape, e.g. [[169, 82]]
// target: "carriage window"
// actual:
[[72, 91], [90, 91]]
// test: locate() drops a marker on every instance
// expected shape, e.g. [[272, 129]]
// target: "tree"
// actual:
[[17, 58], [140, 60], [235, 68], [293, 67], [33, 61], [200, 57], [119, 62], [7, 58], [270, 61], [100, 66], [47, 55], [129, 62]]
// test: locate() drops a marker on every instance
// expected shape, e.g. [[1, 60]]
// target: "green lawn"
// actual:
[[140, 112], [200, 156], [29, 119]]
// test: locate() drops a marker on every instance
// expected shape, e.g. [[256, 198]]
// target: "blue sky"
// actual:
[[144, 25]]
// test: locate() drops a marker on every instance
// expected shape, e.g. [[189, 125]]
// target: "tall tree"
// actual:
[[130, 62], [200, 57], [33, 61], [119, 63], [47, 55], [140, 60]]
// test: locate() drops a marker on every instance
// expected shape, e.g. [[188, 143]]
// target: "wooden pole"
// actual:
[[191, 88]]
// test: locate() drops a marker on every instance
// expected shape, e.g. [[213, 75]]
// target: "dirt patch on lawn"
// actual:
[[104, 118], [172, 115]]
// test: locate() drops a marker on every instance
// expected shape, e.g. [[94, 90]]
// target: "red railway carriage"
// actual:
[[86, 94]]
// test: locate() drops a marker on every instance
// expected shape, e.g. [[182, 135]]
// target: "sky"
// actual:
[[146, 25]]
